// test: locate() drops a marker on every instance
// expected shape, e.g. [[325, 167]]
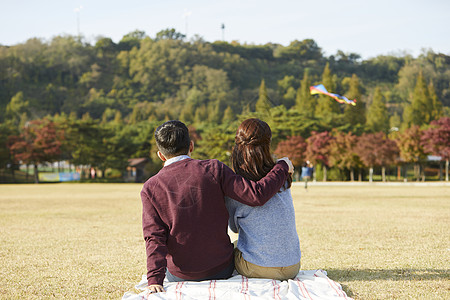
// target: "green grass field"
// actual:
[[85, 240]]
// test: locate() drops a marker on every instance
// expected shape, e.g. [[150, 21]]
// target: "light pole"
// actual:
[[186, 15], [77, 11], [223, 31]]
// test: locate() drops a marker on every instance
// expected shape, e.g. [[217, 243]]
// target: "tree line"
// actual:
[[98, 105]]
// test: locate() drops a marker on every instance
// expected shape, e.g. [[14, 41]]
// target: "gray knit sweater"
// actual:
[[267, 234]]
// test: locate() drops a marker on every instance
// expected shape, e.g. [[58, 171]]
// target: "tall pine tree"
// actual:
[[305, 103], [263, 105], [201, 114], [424, 107], [355, 115], [377, 115], [17, 110], [228, 115], [436, 110], [326, 106]]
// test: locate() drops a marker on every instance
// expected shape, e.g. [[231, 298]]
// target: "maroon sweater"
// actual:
[[185, 220]]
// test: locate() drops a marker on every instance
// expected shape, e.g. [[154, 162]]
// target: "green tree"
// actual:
[[287, 89], [201, 114], [169, 34], [211, 87], [215, 114], [144, 143], [116, 148], [118, 118], [216, 143], [355, 114], [66, 124], [263, 104], [326, 107], [424, 107], [108, 115], [305, 50], [130, 40], [433, 67], [141, 112], [436, 105], [305, 103], [88, 137], [187, 113], [395, 121], [67, 58], [377, 115], [6, 160], [17, 111], [156, 68], [383, 68], [53, 99], [228, 116]]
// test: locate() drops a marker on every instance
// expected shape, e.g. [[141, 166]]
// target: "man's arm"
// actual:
[[254, 193], [155, 236]]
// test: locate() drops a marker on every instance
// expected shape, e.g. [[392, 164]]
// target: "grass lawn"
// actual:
[[85, 240]]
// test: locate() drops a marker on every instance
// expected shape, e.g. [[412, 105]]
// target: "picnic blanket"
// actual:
[[312, 284]]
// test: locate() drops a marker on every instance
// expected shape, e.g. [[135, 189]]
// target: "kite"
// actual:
[[320, 89]]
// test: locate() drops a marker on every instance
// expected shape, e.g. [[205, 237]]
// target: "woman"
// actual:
[[268, 244]]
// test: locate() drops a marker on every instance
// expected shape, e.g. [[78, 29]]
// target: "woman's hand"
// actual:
[[289, 163]]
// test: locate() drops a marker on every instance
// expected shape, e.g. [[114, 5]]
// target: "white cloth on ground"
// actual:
[[311, 284]]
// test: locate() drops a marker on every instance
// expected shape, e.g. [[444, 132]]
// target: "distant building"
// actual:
[[136, 170]]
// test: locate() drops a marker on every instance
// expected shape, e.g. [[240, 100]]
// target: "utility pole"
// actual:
[[223, 32], [77, 11], [186, 15]]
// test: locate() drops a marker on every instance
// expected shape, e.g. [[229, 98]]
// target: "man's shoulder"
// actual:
[[154, 179], [208, 169], [207, 165], [148, 183], [193, 161], [201, 163], [205, 162]]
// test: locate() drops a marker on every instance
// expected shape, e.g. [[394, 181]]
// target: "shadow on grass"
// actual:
[[345, 275]]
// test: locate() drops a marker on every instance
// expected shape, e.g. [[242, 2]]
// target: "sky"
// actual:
[[366, 27]]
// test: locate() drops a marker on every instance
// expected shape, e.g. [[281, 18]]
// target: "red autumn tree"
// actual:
[[293, 147], [342, 152], [411, 148], [318, 150], [377, 150], [436, 140], [39, 142]]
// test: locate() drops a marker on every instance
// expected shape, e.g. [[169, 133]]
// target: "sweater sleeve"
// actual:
[[249, 192], [231, 207], [155, 236]]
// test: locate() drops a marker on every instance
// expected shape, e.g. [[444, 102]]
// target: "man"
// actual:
[[184, 215]]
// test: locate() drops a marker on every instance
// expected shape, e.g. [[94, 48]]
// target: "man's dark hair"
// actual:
[[172, 138]]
